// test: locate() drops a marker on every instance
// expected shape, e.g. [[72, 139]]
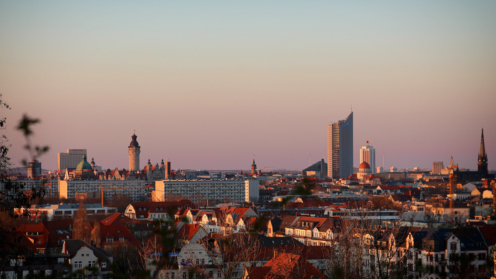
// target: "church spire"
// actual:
[[482, 152], [482, 162]]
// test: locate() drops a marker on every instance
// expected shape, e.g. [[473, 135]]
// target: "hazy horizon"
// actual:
[[208, 85]]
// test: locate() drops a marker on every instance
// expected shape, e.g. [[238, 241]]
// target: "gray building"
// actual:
[[340, 148]]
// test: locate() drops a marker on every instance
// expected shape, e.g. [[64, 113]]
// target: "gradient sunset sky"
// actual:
[[209, 84]]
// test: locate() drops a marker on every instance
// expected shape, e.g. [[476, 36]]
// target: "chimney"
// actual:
[[275, 253]]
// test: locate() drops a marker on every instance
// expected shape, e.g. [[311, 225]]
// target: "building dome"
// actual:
[[83, 165], [364, 165]]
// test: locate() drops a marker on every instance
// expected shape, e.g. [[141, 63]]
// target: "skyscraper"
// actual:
[[437, 167], [367, 154], [340, 148]]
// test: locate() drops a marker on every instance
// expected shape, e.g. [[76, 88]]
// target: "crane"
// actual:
[[112, 187]]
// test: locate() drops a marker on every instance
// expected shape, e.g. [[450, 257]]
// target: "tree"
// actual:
[[121, 202], [80, 231]]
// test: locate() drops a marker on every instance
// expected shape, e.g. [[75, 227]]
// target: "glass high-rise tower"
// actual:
[[340, 148]]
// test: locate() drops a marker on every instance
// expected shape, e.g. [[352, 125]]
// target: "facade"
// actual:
[[210, 190], [135, 189], [134, 154], [437, 167], [70, 159], [367, 154], [51, 185], [340, 148]]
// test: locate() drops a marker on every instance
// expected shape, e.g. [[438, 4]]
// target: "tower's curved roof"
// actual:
[[134, 143]]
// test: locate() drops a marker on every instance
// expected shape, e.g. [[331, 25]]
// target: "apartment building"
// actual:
[[209, 190], [135, 189]]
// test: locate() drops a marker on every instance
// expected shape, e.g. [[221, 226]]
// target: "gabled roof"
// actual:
[[287, 265], [72, 246], [187, 231], [116, 232]]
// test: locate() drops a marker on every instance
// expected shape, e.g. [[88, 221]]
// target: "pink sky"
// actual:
[[208, 86]]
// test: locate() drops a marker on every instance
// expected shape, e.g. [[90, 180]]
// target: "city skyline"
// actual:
[[209, 86]]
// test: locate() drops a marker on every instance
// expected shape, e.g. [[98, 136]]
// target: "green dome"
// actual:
[[83, 165]]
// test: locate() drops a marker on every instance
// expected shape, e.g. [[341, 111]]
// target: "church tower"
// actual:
[[134, 153], [253, 168], [482, 162]]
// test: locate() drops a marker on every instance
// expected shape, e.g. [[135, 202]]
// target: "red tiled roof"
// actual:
[[187, 231]]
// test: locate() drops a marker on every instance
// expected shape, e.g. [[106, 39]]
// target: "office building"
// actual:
[[34, 169], [71, 159], [208, 190], [437, 167], [367, 154], [340, 148]]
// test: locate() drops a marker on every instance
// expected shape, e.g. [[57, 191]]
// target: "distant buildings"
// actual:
[[34, 169], [208, 190], [135, 189], [70, 159], [437, 167], [367, 154], [318, 170], [340, 148]]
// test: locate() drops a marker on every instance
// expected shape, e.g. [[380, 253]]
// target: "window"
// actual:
[[453, 246], [184, 275], [104, 264], [172, 275], [219, 275], [482, 256], [110, 240], [121, 239], [203, 261], [82, 255]]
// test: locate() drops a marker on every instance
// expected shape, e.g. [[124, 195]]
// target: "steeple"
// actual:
[[482, 160], [482, 152]]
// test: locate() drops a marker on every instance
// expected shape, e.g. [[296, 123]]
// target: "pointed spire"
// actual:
[[482, 152]]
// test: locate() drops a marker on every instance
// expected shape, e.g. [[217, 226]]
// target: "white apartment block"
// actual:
[[210, 190], [135, 189], [71, 159], [66, 210]]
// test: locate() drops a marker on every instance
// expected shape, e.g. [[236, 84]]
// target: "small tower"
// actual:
[[93, 163], [134, 153], [482, 160], [253, 168]]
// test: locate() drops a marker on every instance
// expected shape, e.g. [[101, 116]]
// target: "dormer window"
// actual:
[[104, 264], [121, 239], [110, 240]]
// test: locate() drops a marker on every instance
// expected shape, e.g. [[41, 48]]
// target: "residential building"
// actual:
[[367, 154], [239, 190], [70, 159], [340, 148], [83, 256]]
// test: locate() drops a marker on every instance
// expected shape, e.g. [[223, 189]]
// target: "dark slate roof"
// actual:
[[72, 246], [276, 224], [277, 241]]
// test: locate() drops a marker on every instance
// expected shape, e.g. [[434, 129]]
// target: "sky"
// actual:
[[211, 84]]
